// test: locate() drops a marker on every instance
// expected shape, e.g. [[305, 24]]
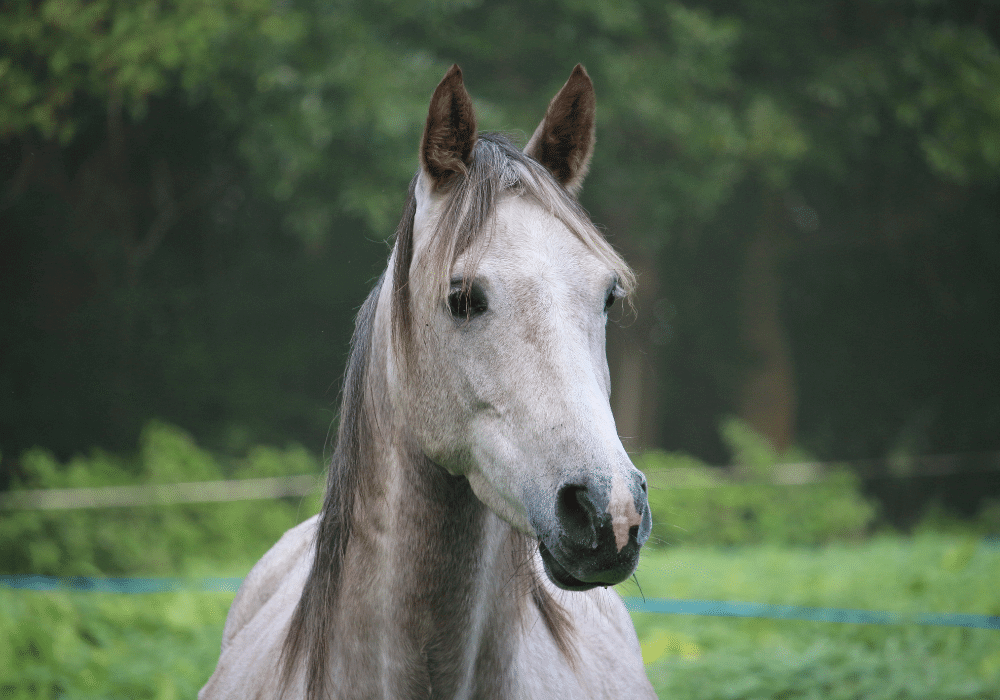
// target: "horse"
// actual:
[[479, 501]]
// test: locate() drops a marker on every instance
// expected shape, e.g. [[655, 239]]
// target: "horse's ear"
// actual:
[[450, 132], [564, 141]]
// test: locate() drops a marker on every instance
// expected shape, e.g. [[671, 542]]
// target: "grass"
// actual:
[[745, 659], [93, 645], [927, 573], [85, 645]]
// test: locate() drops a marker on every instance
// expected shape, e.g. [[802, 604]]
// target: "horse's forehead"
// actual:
[[527, 240]]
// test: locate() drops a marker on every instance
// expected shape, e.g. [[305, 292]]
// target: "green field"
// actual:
[[714, 658], [87, 645]]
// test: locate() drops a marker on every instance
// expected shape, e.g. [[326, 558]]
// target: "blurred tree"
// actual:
[[807, 189], [154, 157], [903, 144], [860, 126]]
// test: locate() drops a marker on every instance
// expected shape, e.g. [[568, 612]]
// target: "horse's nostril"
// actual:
[[576, 513]]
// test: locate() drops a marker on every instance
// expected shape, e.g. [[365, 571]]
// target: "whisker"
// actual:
[[636, 579]]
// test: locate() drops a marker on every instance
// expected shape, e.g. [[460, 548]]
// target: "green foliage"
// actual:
[[693, 503], [697, 657], [57, 51], [929, 572], [755, 660], [154, 539], [884, 147], [85, 645], [750, 450], [154, 156], [331, 110], [985, 523], [946, 70], [752, 512], [72, 645]]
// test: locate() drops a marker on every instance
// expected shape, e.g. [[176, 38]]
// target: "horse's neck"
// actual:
[[433, 589]]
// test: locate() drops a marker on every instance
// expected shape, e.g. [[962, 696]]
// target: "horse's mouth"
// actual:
[[558, 575]]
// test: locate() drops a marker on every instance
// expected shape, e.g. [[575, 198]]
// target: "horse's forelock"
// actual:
[[467, 220], [401, 311]]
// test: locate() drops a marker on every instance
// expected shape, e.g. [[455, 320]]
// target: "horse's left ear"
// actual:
[[450, 132], [564, 141]]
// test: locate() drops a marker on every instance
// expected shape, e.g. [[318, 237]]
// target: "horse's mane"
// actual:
[[497, 167], [312, 623]]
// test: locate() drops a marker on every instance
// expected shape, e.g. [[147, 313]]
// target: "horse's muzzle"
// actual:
[[597, 537]]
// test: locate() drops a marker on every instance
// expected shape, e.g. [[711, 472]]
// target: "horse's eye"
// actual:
[[615, 293], [467, 302]]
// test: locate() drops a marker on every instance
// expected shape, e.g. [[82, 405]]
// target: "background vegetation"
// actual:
[[195, 197], [165, 645], [91, 645], [155, 539], [811, 544]]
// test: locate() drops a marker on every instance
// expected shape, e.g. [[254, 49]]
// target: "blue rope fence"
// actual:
[[717, 608], [34, 582], [711, 608]]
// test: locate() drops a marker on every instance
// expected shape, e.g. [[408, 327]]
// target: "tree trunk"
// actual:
[[767, 395], [632, 361]]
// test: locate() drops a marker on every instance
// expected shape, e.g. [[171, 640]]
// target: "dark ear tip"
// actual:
[[580, 73], [452, 79], [579, 81]]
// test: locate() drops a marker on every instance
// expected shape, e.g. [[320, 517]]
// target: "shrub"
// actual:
[[60, 644], [151, 539], [694, 503]]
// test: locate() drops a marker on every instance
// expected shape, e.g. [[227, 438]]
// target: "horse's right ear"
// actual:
[[450, 132], [564, 141]]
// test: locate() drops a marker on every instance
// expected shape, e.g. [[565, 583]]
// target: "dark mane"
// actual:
[[312, 623]]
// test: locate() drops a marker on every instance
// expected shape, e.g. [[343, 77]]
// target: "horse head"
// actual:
[[500, 292]]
